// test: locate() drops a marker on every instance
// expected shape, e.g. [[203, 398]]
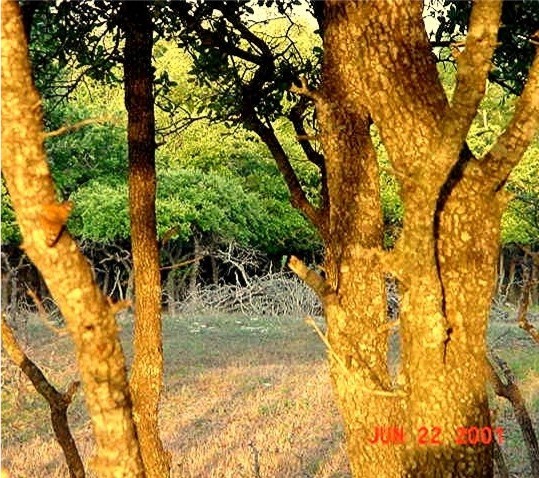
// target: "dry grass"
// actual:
[[244, 398]]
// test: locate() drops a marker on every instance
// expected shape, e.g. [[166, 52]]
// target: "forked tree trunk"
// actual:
[[88, 314], [147, 370], [378, 66]]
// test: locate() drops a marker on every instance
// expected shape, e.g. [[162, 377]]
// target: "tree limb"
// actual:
[[511, 392], [298, 198], [314, 280], [210, 38], [474, 64], [58, 402], [296, 117], [524, 304], [80, 124], [513, 142]]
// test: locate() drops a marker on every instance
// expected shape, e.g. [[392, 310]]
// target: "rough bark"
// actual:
[[88, 313], [378, 64], [58, 402], [146, 380]]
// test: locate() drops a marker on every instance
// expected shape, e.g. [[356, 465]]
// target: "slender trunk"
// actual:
[[147, 370], [193, 275], [214, 270]]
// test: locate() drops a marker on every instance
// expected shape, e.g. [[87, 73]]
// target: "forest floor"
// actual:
[[244, 397]]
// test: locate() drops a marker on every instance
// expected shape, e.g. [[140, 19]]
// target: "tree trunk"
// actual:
[[378, 64], [88, 313], [147, 370], [195, 268]]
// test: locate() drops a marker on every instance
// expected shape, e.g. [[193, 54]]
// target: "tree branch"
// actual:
[[296, 117], [298, 197], [314, 280], [474, 64], [513, 142], [210, 38], [76, 126], [58, 402], [524, 304], [511, 392]]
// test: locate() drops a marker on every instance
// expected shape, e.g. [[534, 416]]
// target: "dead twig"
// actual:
[[43, 315], [80, 124]]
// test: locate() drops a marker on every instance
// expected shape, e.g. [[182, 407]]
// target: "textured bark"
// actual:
[[378, 64], [88, 313], [146, 380], [58, 402]]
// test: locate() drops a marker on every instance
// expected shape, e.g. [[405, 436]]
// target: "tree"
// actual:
[[41, 218], [146, 381], [378, 69]]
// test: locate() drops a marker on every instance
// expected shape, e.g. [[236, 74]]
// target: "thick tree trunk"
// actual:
[[378, 63], [147, 370], [355, 311], [88, 313]]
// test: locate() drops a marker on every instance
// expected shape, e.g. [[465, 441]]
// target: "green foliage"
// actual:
[[217, 181], [10, 231], [76, 37], [515, 51], [520, 223], [101, 212], [216, 206], [213, 204], [91, 152]]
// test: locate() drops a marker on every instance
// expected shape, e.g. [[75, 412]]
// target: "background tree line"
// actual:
[[216, 186]]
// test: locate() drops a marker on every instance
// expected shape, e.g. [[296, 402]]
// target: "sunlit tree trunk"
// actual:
[[147, 370], [378, 67], [88, 313]]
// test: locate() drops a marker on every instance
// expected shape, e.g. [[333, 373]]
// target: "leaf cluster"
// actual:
[[517, 37]]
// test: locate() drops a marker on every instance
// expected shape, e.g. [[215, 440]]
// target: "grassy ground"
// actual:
[[244, 398]]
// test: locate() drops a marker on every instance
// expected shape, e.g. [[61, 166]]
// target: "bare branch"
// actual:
[[58, 402], [371, 391], [42, 313], [511, 392], [296, 117], [524, 304], [298, 198], [314, 280], [181, 264], [80, 124]]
